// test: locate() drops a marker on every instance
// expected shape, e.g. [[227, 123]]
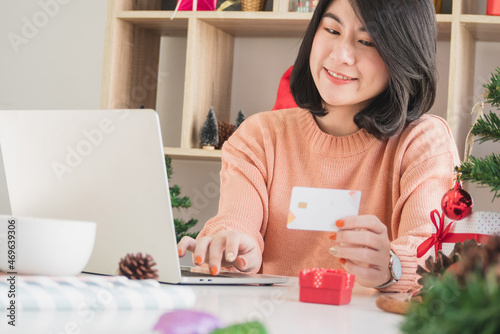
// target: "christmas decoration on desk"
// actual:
[[325, 286], [209, 135], [198, 322], [463, 299], [478, 226], [456, 202], [138, 267], [484, 171], [181, 226]]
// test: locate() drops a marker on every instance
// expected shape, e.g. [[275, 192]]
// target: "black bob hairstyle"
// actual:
[[404, 33]]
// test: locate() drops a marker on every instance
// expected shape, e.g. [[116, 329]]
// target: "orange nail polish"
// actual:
[[333, 236], [197, 260], [342, 261], [243, 262], [340, 223], [180, 252], [213, 270]]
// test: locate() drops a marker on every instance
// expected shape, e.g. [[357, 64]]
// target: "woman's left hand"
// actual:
[[362, 245]]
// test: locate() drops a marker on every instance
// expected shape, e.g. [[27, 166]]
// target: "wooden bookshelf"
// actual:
[[134, 29]]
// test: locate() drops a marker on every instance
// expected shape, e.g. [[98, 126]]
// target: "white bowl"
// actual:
[[43, 246]]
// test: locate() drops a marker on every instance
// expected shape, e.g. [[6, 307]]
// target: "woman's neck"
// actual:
[[338, 122]]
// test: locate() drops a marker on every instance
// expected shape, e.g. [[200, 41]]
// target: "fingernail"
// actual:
[[243, 262], [333, 250], [197, 260], [332, 236], [340, 223], [213, 270], [342, 261], [180, 252], [230, 257]]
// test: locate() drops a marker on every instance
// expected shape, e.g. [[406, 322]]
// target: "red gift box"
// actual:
[[493, 7], [325, 286]]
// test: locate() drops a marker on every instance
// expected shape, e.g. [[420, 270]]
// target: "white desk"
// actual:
[[277, 307]]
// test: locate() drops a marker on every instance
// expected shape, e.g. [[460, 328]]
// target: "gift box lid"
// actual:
[[321, 278]]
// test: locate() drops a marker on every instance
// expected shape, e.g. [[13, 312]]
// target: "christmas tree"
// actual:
[[486, 171], [181, 226], [239, 119], [209, 135]]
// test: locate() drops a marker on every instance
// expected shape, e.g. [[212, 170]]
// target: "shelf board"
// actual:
[[240, 24], [482, 27], [444, 26], [192, 153]]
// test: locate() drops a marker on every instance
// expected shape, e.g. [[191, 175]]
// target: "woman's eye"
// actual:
[[332, 31], [366, 43]]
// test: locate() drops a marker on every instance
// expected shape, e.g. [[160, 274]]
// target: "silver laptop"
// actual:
[[105, 166]]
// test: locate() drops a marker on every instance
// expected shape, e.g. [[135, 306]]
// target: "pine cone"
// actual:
[[138, 267], [479, 259], [225, 131]]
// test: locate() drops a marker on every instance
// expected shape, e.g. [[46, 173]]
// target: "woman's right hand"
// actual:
[[223, 249]]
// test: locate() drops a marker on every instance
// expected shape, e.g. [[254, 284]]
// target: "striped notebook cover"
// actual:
[[92, 292]]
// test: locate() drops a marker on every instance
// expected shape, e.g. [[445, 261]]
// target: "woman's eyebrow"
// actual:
[[336, 18]]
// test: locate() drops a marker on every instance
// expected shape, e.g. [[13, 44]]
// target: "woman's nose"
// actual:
[[343, 52]]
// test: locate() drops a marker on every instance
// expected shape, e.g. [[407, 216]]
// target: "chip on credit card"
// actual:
[[317, 209]]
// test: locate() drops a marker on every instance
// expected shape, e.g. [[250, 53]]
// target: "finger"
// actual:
[[232, 247], [186, 244], [368, 222], [362, 255], [202, 245], [368, 277], [215, 252], [241, 264], [359, 238]]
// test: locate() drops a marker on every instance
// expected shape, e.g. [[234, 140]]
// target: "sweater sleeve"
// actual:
[[243, 203], [428, 157]]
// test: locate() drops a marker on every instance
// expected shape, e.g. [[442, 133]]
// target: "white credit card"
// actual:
[[317, 209]]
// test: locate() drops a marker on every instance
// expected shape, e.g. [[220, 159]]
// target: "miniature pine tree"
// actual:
[[486, 171], [209, 135], [239, 119], [181, 226]]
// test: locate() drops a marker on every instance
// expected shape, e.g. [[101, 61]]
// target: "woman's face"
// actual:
[[345, 65]]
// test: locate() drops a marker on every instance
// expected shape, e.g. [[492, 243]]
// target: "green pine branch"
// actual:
[[487, 128], [484, 171], [450, 308], [181, 226], [493, 89]]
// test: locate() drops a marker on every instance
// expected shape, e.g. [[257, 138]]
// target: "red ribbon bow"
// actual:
[[436, 239]]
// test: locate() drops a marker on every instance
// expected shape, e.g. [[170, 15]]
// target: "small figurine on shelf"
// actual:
[[209, 135], [493, 7], [239, 119]]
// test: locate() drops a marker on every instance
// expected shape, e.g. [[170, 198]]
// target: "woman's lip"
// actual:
[[339, 76]]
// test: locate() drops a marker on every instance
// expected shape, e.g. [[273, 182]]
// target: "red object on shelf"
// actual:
[[325, 286], [493, 7]]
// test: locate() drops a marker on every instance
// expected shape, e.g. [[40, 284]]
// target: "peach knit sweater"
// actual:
[[402, 179]]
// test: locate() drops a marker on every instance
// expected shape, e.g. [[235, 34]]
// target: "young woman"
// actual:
[[364, 76]]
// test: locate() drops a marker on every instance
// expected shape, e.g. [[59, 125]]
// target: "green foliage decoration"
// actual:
[[450, 308], [486, 171], [179, 202]]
